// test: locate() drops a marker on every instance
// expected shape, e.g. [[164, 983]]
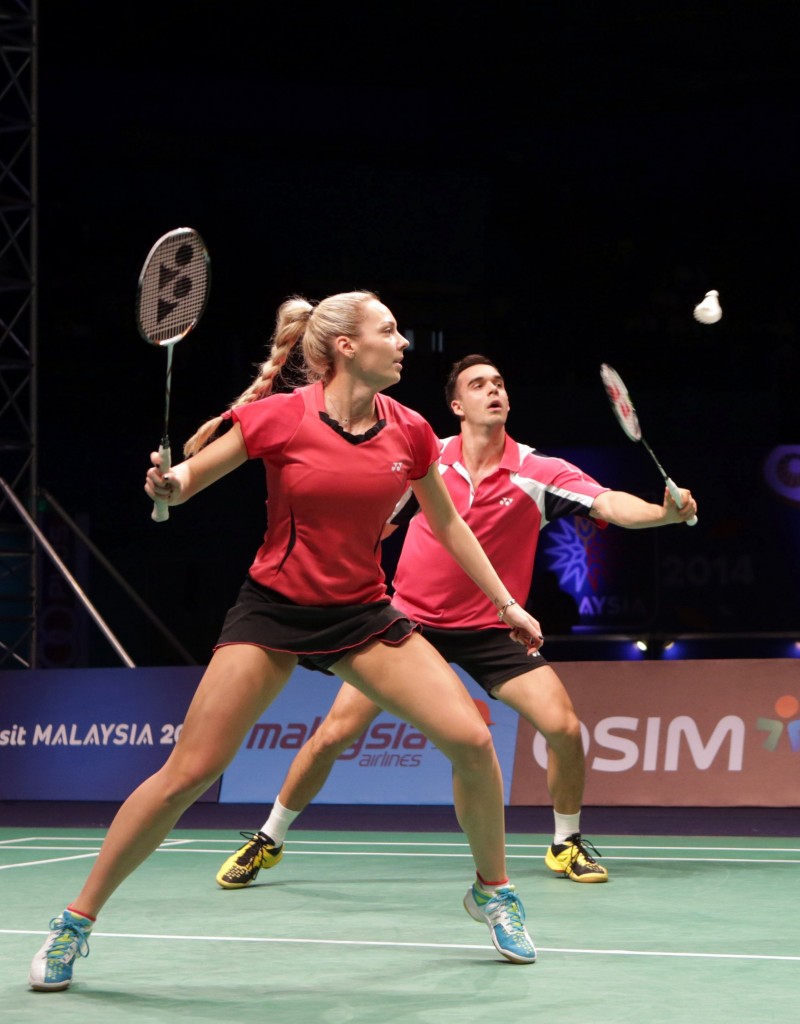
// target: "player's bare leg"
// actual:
[[540, 698], [419, 686], [239, 683], [350, 715], [422, 689]]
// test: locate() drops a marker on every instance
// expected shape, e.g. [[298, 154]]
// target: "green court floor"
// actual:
[[369, 927]]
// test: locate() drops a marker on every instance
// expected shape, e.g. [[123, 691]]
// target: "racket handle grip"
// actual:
[[160, 511], [676, 497]]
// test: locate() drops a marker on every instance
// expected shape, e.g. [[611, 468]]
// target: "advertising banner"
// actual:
[[89, 734], [702, 733], [671, 733], [390, 764]]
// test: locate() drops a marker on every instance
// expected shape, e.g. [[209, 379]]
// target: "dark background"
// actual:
[[555, 185]]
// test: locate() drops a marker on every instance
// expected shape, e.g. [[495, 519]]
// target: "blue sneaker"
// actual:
[[51, 968], [505, 915]]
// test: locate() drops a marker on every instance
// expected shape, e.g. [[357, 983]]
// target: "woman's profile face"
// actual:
[[379, 346]]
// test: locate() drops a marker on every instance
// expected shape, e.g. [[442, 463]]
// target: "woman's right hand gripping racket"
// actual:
[[626, 414], [171, 297]]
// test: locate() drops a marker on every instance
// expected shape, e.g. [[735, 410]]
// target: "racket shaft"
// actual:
[[160, 511]]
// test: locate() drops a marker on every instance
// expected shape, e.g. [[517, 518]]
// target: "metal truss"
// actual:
[[18, 465]]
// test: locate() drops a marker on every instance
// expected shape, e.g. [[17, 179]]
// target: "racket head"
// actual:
[[621, 402], [173, 287]]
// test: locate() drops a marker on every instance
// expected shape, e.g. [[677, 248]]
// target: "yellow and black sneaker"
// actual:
[[241, 868], [572, 860]]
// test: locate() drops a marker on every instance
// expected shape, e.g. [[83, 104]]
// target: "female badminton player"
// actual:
[[338, 455]]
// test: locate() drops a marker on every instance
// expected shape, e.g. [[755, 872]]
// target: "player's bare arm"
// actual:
[[188, 478], [632, 513]]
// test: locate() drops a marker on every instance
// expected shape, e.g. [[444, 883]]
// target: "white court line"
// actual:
[[418, 945], [293, 842], [518, 856], [69, 839], [656, 952], [428, 856], [169, 841], [703, 860], [34, 845], [466, 854], [695, 849], [48, 860], [368, 848], [52, 839]]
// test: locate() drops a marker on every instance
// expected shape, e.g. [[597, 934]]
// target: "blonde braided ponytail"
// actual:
[[317, 327]]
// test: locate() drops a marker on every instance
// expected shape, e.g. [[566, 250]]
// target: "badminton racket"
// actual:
[[625, 412], [170, 299]]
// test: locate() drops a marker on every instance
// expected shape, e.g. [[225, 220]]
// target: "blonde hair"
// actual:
[[297, 320]]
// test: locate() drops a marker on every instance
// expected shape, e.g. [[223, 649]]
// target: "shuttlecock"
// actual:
[[709, 310]]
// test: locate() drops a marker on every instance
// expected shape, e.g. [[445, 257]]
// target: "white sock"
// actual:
[[566, 825], [279, 822]]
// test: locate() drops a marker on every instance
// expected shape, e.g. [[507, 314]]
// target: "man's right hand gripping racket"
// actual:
[[626, 414], [171, 297]]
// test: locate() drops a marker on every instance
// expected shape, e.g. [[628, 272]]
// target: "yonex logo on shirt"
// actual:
[[506, 501], [396, 467]]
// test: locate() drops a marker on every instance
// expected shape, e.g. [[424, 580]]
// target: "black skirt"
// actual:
[[318, 634]]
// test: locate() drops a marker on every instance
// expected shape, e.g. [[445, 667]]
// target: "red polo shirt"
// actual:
[[506, 512], [329, 496]]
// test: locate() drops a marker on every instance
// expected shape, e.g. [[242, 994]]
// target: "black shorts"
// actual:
[[490, 656], [319, 635]]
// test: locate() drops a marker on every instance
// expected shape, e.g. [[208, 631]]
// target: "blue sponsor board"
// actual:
[[89, 734], [95, 734], [390, 764]]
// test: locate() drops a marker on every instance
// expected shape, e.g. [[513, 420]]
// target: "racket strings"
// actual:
[[174, 288], [621, 402]]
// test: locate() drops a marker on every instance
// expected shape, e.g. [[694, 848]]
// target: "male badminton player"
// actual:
[[507, 492]]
